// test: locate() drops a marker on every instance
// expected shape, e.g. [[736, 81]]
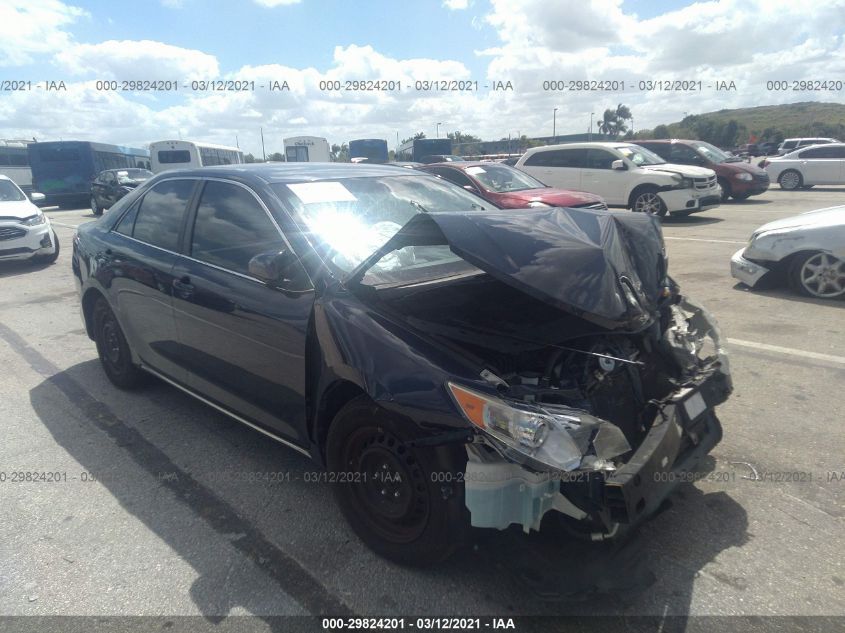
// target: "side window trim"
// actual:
[[191, 223], [137, 205]]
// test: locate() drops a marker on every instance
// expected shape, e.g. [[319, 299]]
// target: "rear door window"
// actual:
[[162, 212], [575, 157]]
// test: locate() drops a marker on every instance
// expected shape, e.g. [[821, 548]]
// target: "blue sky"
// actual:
[[523, 41]]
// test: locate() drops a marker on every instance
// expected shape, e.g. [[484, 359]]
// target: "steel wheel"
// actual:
[[393, 491], [649, 202], [406, 502], [822, 275], [790, 180]]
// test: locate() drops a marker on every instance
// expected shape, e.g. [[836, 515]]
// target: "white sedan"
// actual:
[[25, 232], [808, 166], [808, 250]]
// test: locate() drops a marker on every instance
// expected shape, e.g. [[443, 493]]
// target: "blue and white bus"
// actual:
[[416, 150], [373, 149], [63, 170], [14, 163]]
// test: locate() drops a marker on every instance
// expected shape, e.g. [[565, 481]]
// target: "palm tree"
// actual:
[[612, 122]]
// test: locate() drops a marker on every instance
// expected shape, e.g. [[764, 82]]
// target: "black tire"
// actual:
[[790, 180], [45, 260], [726, 189], [113, 349], [96, 209], [386, 488], [646, 200], [739, 197], [831, 285]]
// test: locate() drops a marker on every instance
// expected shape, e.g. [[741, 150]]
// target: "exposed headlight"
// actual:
[[34, 220], [530, 431], [743, 176], [537, 203]]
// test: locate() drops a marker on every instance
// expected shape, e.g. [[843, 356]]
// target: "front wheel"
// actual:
[[726, 189], [96, 209], [647, 201], [113, 349], [790, 180], [405, 502], [819, 275]]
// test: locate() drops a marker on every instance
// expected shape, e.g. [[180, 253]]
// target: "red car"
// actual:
[[510, 188]]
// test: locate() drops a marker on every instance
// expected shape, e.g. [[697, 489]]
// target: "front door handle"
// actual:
[[183, 287]]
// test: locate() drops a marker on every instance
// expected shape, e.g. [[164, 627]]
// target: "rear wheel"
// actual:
[[404, 502], [96, 209], [114, 350], [646, 200], [819, 275], [790, 180]]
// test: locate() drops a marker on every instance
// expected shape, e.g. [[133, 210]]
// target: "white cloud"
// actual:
[[137, 59], [275, 3], [32, 27], [456, 5], [747, 41]]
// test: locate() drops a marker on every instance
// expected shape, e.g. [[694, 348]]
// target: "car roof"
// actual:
[[584, 145], [810, 138], [293, 172], [463, 164]]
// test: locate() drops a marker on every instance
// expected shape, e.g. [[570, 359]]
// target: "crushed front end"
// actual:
[[604, 435]]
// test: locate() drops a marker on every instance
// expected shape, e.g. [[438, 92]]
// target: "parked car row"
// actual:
[[808, 166]]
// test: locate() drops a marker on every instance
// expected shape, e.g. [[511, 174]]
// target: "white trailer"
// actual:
[[307, 149]]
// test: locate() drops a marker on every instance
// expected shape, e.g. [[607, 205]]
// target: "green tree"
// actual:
[[249, 158], [661, 131], [612, 122], [276, 157], [340, 153]]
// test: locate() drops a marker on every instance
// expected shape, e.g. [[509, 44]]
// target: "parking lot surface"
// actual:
[[159, 504]]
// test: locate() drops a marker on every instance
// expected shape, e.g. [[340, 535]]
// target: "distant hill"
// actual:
[[727, 128]]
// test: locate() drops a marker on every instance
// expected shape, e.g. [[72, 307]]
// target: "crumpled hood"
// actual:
[[688, 171], [604, 267], [17, 209], [829, 217]]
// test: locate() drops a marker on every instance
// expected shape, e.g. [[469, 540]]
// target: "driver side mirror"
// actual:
[[37, 197], [619, 165], [272, 268], [471, 188]]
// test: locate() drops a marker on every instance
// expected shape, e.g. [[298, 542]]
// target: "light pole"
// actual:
[[591, 125], [554, 125], [437, 131]]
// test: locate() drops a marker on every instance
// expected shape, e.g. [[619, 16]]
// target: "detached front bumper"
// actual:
[[745, 270], [685, 430], [685, 201]]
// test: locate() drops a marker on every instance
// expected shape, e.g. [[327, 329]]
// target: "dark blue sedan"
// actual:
[[451, 365]]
